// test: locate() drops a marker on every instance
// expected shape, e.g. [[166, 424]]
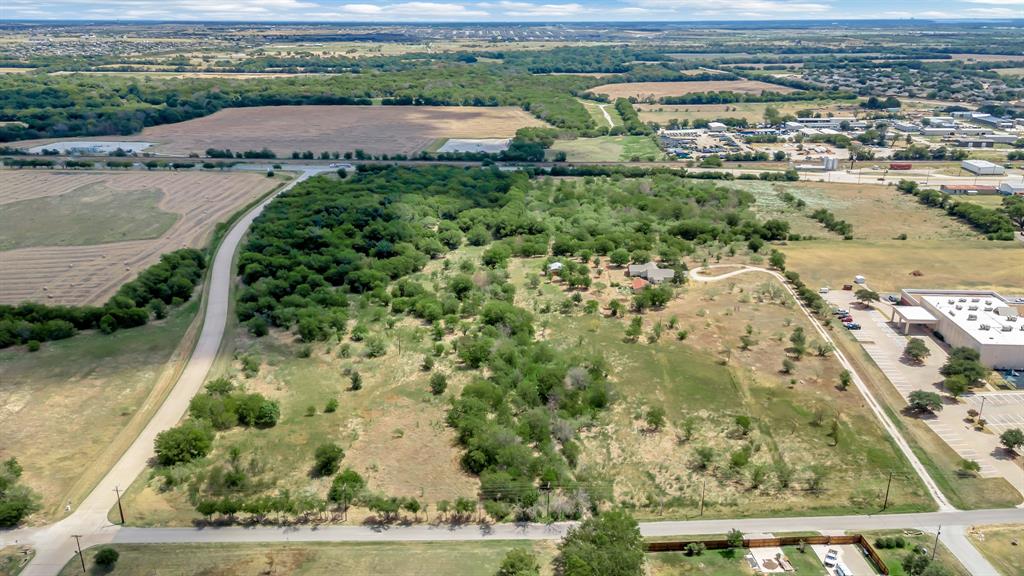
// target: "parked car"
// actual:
[[851, 325], [846, 319], [831, 557], [841, 312], [893, 299], [847, 286]]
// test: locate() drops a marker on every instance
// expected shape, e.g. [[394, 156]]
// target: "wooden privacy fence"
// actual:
[[857, 539]]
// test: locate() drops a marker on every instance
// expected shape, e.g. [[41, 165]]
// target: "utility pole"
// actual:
[[980, 410], [887, 486], [935, 547], [78, 544], [119, 508], [702, 491]]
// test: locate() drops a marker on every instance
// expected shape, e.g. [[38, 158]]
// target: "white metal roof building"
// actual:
[[978, 319], [982, 167]]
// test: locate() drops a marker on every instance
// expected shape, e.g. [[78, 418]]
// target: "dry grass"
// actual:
[[709, 380], [752, 112], [70, 409], [317, 559], [887, 264], [642, 90], [1002, 545], [81, 271], [374, 129], [876, 212], [989, 57]]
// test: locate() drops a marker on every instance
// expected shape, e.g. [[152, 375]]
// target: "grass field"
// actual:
[[86, 233], [893, 557], [752, 112], [1011, 71], [68, 410], [889, 264], [644, 90], [13, 560], [609, 148], [877, 213], [708, 381], [594, 108], [1002, 546], [71, 219], [374, 129], [315, 559]]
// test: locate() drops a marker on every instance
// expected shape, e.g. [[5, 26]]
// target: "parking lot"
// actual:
[[1002, 410]]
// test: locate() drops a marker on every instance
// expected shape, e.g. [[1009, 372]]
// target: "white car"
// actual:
[[831, 557]]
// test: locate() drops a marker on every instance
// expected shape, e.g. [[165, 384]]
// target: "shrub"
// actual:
[[106, 557], [438, 383], [326, 459], [184, 443], [332, 406], [33, 345]]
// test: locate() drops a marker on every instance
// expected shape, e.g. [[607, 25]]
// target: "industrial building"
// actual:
[[1012, 188], [978, 319], [834, 123], [965, 143], [957, 189], [982, 167]]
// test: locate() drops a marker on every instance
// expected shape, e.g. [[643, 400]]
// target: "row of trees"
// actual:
[[170, 282], [995, 223]]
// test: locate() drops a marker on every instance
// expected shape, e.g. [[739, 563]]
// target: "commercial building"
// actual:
[[958, 189], [965, 143], [940, 121], [994, 121], [834, 123], [936, 131], [906, 127], [978, 319], [716, 127], [982, 167], [1012, 188]]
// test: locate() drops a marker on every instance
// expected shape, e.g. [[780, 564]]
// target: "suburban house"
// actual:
[[650, 272]]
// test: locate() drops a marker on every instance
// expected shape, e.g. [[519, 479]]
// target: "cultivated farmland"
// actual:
[[374, 129], [643, 90], [75, 237]]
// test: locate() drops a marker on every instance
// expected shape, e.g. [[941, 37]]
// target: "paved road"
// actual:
[[955, 538], [54, 544], [889, 426]]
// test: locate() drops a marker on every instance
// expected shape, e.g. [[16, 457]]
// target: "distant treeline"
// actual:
[[79, 105], [169, 282], [729, 97]]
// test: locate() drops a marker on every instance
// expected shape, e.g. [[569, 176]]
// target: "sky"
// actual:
[[506, 10]]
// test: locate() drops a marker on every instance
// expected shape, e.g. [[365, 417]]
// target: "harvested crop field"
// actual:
[[642, 90], [75, 237], [374, 129]]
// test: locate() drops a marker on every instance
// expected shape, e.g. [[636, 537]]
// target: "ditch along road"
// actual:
[[55, 545]]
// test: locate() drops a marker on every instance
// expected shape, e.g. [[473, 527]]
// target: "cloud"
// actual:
[[999, 3], [746, 8], [528, 10], [412, 11]]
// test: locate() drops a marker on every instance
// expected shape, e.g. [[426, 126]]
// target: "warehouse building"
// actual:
[[982, 167], [978, 319]]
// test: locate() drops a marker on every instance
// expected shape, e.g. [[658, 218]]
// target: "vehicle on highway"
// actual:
[[851, 325]]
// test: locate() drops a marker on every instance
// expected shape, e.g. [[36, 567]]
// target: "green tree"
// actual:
[[606, 545], [655, 418], [635, 329], [924, 401], [777, 260], [619, 257], [917, 350], [956, 385], [519, 562], [866, 296], [1012, 439], [438, 383], [735, 538], [845, 379], [184, 443], [16, 500], [969, 467], [346, 488], [326, 458], [106, 557], [355, 380]]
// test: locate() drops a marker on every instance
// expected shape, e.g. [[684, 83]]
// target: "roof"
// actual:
[[639, 283], [979, 187], [979, 163], [957, 308], [914, 314]]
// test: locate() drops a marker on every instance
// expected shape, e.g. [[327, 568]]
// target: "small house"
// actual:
[[650, 272]]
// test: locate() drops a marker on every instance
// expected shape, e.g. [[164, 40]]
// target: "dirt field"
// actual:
[[658, 89], [118, 224], [989, 57], [375, 129]]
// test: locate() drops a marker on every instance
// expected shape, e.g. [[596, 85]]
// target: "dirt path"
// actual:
[[607, 116]]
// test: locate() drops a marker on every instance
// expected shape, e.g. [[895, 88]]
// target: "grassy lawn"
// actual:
[[313, 559], [71, 219], [71, 408], [712, 562], [609, 149], [706, 382], [889, 264], [1001, 545], [594, 108], [893, 557], [964, 492]]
